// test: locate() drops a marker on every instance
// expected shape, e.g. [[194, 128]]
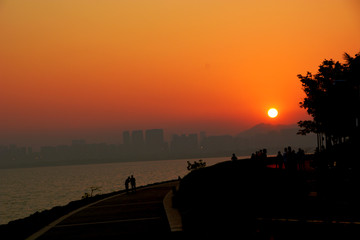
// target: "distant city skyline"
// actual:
[[150, 144], [110, 136]]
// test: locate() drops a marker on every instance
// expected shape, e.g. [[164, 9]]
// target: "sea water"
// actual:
[[24, 191]]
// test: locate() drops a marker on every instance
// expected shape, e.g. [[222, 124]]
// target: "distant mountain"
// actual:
[[275, 138], [263, 128]]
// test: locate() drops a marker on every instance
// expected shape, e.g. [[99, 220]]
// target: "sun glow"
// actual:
[[272, 112], [178, 65]]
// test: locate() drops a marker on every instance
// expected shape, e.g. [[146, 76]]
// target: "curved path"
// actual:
[[123, 215]]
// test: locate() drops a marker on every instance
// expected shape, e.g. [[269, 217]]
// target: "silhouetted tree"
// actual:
[[333, 101]]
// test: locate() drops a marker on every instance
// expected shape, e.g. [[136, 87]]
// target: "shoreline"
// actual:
[[24, 227], [36, 221], [99, 161], [23, 196], [109, 193]]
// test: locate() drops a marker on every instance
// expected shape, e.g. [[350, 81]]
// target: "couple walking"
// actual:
[[132, 181]]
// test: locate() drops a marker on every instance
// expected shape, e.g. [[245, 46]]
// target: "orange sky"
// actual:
[[76, 66]]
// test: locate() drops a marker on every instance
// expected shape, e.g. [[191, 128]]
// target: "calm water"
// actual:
[[25, 191]]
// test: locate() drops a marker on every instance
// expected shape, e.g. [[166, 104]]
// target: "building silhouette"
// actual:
[[184, 145], [154, 139], [151, 145], [126, 138], [137, 140]]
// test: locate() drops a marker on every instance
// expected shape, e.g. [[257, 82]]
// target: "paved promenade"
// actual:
[[123, 215]]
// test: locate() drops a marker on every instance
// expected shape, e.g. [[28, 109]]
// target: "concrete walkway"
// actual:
[[123, 215]]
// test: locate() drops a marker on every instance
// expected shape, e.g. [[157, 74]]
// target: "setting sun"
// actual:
[[272, 112], [91, 69]]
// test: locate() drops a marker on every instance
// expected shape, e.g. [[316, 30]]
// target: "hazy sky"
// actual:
[[86, 68]]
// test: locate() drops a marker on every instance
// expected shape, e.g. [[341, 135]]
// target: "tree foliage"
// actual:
[[332, 100]]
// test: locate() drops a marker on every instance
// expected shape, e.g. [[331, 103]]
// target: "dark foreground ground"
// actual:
[[235, 200], [250, 201]]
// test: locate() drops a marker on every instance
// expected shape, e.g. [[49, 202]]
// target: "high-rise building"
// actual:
[[126, 138], [192, 142], [137, 139], [154, 139], [202, 137], [184, 144]]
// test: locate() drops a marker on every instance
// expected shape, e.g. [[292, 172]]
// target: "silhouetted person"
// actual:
[[261, 156], [133, 183], [300, 155], [285, 157], [127, 181], [291, 159], [264, 153], [234, 158], [279, 160]]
